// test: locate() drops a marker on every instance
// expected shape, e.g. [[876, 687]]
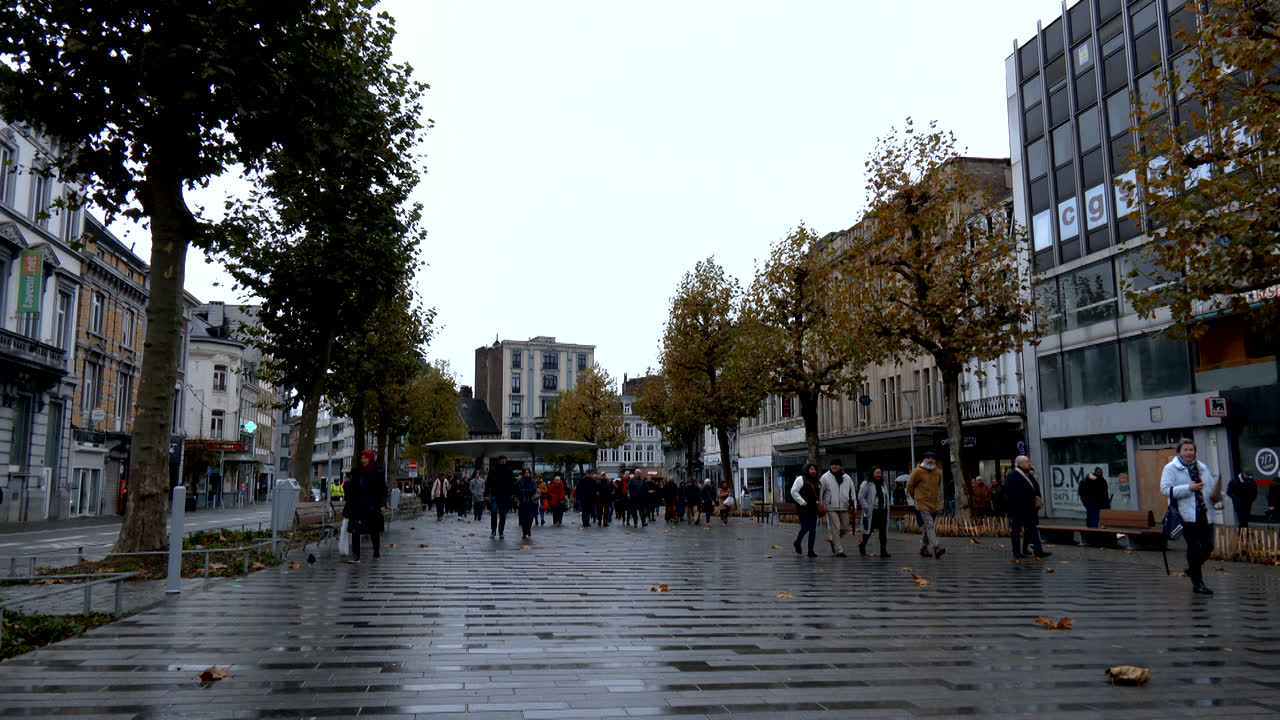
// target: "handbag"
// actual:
[[344, 540], [1172, 524]]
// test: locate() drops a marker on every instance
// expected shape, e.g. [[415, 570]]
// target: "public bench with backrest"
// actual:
[[1138, 525], [310, 514]]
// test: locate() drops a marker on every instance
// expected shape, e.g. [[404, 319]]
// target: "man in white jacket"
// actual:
[[840, 498]]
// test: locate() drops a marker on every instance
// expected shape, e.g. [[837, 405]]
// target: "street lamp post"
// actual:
[[911, 424]]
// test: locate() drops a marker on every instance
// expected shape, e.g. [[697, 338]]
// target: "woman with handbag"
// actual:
[[1193, 491]]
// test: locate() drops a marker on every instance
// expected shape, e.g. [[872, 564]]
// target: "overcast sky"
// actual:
[[587, 154]]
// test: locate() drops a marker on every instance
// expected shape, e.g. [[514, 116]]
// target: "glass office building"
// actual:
[[1106, 387]]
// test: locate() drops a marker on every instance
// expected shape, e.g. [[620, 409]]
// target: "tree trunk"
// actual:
[[955, 439], [311, 399], [172, 226], [690, 457], [809, 412], [722, 434], [358, 425]]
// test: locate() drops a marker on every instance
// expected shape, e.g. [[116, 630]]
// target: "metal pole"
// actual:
[[173, 584]]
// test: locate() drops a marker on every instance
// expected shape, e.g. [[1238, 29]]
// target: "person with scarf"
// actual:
[[527, 494], [1025, 502], [925, 488], [1192, 487], [873, 498], [366, 494], [806, 491], [840, 499]]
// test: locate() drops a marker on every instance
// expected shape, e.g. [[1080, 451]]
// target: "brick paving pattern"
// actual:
[[569, 627]]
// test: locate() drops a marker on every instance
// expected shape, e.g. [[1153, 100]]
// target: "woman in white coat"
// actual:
[[874, 498], [1194, 489]]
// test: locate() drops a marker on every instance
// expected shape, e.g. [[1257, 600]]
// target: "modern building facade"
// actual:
[[1106, 387], [518, 380]]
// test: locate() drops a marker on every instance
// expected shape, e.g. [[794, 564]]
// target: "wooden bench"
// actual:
[[309, 514], [1138, 525], [762, 511]]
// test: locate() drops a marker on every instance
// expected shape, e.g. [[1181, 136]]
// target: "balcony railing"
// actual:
[[989, 407], [33, 351]]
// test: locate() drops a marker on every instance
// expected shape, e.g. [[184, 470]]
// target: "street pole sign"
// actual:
[[413, 468], [30, 288]]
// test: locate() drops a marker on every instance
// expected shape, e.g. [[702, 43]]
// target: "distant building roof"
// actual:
[[476, 416]]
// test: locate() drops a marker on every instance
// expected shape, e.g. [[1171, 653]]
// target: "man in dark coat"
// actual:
[[1095, 495], [366, 498], [1243, 491], [585, 494], [1023, 492], [638, 492], [501, 486], [604, 508]]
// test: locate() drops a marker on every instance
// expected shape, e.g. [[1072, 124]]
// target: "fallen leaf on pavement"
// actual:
[[999, 545], [907, 570], [768, 557], [217, 566], [975, 540], [1128, 675], [1048, 570], [471, 534], [259, 566], [526, 547], [422, 545], [412, 527], [919, 580], [663, 587], [391, 545], [785, 594], [1178, 574], [293, 564], [1065, 624], [1038, 559], [737, 538], [213, 674], [776, 547], [1219, 569], [1048, 624]]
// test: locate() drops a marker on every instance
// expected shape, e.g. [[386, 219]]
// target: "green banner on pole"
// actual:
[[30, 288]]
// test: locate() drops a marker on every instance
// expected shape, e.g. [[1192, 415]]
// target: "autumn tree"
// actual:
[[157, 98], [660, 404], [590, 412], [430, 402], [706, 356], [1209, 170], [936, 266], [802, 331]]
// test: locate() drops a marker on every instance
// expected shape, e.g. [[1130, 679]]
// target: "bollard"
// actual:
[[13, 566], [246, 562], [206, 564], [119, 599], [88, 599], [173, 585]]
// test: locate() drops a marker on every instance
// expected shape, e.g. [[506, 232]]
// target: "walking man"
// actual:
[[585, 493], [839, 499], [925, 487], [1095, 496], [502, 484], [1025, 503], [439, 495], [1243, 491], [638, 492], [477, 495]]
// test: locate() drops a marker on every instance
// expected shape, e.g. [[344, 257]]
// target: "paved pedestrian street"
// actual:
[[449, 623]]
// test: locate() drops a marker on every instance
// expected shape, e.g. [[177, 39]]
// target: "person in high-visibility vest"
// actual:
[[336, 492]]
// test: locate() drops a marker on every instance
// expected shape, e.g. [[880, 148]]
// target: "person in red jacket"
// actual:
[[556, 497]]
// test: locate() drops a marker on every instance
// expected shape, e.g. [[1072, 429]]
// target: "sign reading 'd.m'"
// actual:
[[30, 289]]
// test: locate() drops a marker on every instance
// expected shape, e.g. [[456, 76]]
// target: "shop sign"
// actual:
[[29, 286], [1267, 462], [1215, 407]]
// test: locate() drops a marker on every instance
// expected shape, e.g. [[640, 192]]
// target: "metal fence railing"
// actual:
[[84, 583]]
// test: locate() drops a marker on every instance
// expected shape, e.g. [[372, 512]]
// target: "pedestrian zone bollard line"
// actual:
[[173, 583]]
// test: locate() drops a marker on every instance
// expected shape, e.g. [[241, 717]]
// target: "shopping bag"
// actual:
[[344, 540]]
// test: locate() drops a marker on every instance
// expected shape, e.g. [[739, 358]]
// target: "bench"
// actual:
[[762, 512], [309, 514], [1138, 525]]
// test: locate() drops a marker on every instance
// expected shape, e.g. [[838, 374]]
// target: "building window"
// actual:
[[62, 320], [1049, 305], [8, 172], [97, 308], [1092, 374], [884, 401], [626, 453], [550, 383], [41, 197], [550, 360], [71, 215], [217, 424], [626, 408], [515, 359], [91, 393], [515, 407], [29, 324], [284, 464], [127, 328], [649, 430], [650, 453], [284, 441], [1050, 374], [1088, 295], [1155, 366], [582, 361], [515, 382], [515, 434], [626, 429], [547, 404], [220, 378], [124, 397]]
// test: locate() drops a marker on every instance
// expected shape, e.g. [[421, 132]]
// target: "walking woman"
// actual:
[[366, 493], [544, 504], [873, 498], [1192, 487], [527, 493], [726, 502], [805, 492], [556, 494]]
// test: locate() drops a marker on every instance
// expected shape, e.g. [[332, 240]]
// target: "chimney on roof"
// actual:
[[217, 313], [464, 391]]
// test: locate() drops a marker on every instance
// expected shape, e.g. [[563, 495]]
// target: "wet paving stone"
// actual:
[[575, 625]]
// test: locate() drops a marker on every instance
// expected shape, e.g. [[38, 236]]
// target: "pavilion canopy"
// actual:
[[511, 448]]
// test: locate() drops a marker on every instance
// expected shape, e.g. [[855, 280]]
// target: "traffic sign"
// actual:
[[97, 415]]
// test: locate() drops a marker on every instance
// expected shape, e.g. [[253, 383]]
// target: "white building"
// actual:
[[519, 380]]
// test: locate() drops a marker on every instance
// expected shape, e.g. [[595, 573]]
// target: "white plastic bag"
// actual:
[[344, 540]]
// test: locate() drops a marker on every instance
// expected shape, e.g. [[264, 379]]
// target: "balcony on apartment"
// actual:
[[21, 356]]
